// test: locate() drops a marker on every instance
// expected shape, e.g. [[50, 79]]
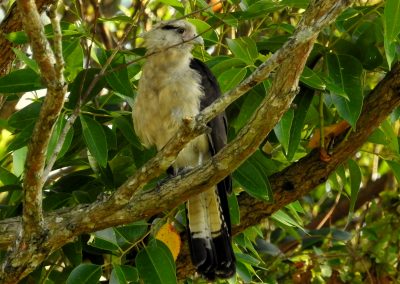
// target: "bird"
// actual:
[[173, 86]]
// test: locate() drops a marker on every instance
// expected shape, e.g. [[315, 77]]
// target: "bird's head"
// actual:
[[178, 34]]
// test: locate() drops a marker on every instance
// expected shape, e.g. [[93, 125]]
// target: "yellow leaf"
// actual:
[[171, 238]]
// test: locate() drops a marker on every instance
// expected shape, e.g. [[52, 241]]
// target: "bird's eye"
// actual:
[[180, 30]]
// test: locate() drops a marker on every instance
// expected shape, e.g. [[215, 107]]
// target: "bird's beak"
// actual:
[[198, 40]]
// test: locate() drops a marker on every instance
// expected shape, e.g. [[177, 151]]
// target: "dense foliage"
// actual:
[[326, 236]]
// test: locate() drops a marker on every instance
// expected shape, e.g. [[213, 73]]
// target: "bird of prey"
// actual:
[[174, 86]]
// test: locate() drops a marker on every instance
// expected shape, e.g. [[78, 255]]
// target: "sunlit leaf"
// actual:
[[244, 48], [392, 27]]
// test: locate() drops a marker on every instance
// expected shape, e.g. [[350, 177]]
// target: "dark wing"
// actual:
[[219, 125], [222, 262]]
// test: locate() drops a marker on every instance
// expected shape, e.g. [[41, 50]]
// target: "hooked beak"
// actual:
[[198, 40]]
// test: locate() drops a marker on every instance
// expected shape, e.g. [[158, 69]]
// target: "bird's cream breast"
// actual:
[[167, 100]]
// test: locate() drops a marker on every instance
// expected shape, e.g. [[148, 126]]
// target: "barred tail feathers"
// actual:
[[209, 234]]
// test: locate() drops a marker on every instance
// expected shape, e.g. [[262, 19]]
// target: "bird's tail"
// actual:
[[210, 235]]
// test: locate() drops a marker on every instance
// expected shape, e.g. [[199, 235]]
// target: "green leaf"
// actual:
[[73, 251], [25, 116], [73, 57], [55, 136], [85, 273], [117, 77], [311, 79], [346, 72], [251, 102], [391, 16], [205, 30], [79, 89], [95, 139], [230, 78], [234, 210], [122, 274], [301, 4], [21, 138], [174, 3], [104, 239], [28, 61], [126, 127], [285, 219], [243, 271], [8, 178], [155, 265], [244, 48], [391, 136], [17, 37], [129, 234], [227, 63], [283, 128], [19, 158], [253, 176], [20, 81], [260, 9], [246, 258], [355, 182], [395, 167], [302, 103]]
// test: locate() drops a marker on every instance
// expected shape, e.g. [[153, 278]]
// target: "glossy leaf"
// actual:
[[122, 274], [392, 27], [231, 78], [355, 182], [302, 102], [19, 81], [312, 79], [155, 265], [283, 129], [127, 130], [244, 48], [55, 136], [95, 139], [73, 57], [205, 30], [346, 73], [129, 234], [234, 210], [85, 273], [253, 176], [82, 89], [395, 167], [104, 239], [25, 116], [116, 76], [28, 61]]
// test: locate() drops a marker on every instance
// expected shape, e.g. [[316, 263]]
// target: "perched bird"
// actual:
[[174, 86]]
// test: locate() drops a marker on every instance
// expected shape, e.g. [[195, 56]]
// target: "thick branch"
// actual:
[[52, 105]]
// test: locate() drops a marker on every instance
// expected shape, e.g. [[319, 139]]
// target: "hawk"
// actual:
[[173, 86]]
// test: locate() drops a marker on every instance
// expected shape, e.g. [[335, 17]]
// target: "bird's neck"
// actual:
[[173, 58]]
